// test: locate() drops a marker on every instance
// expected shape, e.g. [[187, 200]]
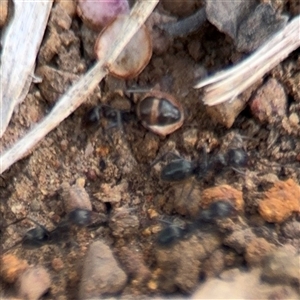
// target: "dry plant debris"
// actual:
[[151, 238], [134, 58], [227, 85], [25, 31], [76, 95]]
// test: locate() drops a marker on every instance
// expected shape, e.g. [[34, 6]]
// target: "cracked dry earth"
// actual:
[[107, 170]]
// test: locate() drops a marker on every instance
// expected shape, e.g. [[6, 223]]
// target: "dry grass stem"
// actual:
[[21, 42], [77, 94], [227, 85]]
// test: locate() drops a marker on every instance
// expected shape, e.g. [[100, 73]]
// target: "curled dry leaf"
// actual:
[[134, 58]]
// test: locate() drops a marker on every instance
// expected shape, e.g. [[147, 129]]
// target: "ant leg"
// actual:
[[203, 164], [3, 184], [119, 121], [35, 237], [162, 157], [15, 222], [136, 89], [165, 221], [11, 247], [190, 191], [238, 171], [34, 222]]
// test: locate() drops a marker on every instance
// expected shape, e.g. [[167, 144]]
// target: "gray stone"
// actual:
[[101, 273]]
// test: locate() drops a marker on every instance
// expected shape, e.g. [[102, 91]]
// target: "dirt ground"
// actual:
[[127, 196]]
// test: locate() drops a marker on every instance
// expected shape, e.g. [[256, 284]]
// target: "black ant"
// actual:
[[116, 117], [157, 111], [216, 211], [40, 235], [170, 234], [181, 169]]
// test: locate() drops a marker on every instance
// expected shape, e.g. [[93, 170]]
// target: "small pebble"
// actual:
[[98, 14], [280, 201], [91, 174], [228, 15], [215, 264], [225, 193], [181, 262], [64, 145], [75, 196], [68, 6], [33, 283], [293, 83], [35, 205], [57, 264], [152, 213], [282, 267], [190, 138], [60, 17], [180, 8], [238, 284], [3, 12], [134, 263], [101, 273], [225, 113], [256, 251], [54, 83], [11, 267], [239, 239], [112, 194], [270, 102], [258, 26], [291, 229], [122, 223], [187, 199]]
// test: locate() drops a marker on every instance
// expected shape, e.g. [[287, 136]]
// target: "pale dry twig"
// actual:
[[21, 42], [227, 85], [77, 94]]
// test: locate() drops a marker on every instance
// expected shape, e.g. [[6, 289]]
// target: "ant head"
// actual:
[[169, 235], [217, 210], [177, 170], [237, 158], [222, 209], [36, 237], [80, 217], [92, 117]]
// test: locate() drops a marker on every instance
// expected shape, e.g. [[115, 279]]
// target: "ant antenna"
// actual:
[[12, 247], [163, 156], [15, 222]]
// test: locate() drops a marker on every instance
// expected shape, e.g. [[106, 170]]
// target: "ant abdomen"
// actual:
[[177, 170], [169, 235], [237, 158], [36, 237], [80, 217]]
